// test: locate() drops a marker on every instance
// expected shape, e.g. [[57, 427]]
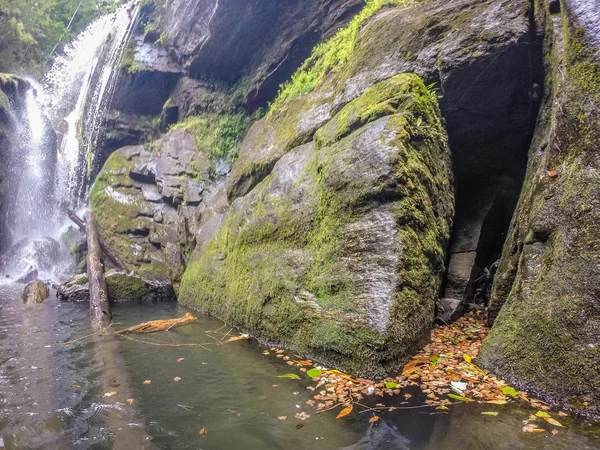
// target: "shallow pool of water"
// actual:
[[91, 393]]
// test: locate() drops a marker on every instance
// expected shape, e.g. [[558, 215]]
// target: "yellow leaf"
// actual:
[[442, 407], [130, 401], [203, 432], [468, 358], [147, 381], [374, 419], [552, 421], [497, 402], [542, 414], [344, 412]]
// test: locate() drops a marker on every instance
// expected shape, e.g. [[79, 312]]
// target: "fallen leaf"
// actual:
[[391, 385], [77, 386], [552, 421], [529, 428], [374, 419], [293, 376], [490, 413], [180, 359], [507, 390], [147, 381], [302, 415], [177, 379], [203, 432], [468, 358], [313, 373], [110, 394], [562, 414], [275, 385], [442, 408], [554, 432], [542, 414], [459, 397], [282, 417], [344, 412], [497, 401], [130, 401], [552, 173], [299, 425]]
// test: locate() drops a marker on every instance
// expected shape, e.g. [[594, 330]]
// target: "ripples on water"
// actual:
[[53, 396]]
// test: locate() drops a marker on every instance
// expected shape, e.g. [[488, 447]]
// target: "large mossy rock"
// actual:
[[546, 333], [339, 251]]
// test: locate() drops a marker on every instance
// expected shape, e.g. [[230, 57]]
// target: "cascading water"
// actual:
[[54, 150]]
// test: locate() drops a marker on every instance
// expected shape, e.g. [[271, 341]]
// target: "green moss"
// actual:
[[162, 39], [219, 135], [329, 56], [279, 267], [126, 288]]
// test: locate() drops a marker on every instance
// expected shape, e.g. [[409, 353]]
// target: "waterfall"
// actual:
[[53, 150]]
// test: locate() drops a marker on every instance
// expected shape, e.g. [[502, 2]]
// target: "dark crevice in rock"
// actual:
[[491, 110]]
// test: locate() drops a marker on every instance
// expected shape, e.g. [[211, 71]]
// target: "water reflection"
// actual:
[[76, 396]]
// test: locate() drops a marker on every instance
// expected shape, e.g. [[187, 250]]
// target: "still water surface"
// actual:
[[55, 396]]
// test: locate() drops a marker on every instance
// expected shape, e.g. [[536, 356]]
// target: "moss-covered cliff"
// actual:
[[545, 298]]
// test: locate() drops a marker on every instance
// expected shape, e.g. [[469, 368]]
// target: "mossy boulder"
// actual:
[[339, 251], [121, 287], [477, 53], [544, 306], [35, 292]]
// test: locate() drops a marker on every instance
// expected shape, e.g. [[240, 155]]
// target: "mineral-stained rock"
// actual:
[[544, 307], [35, 292], [339, 252], [121, 287]]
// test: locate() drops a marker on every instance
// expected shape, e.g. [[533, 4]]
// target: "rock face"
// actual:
[[271, 39], [121, 287], [145, 201], [339, 252], [35, 292], [545, 298]]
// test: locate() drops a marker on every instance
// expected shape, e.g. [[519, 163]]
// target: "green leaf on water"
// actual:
[[507, 390], [490, 413], [457, 397], [313, 373], [391, 385], [542, 414], [293, 376]]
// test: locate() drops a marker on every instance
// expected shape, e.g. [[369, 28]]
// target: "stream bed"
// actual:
[[138, 392]]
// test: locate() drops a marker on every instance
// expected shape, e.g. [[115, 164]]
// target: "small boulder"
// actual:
[[448, 310], [35, 292]]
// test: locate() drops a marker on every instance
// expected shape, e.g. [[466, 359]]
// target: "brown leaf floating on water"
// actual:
[[203, 432]]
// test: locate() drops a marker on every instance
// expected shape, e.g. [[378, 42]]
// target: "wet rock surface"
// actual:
[[121, 287], [145, 201], [544, 305], [35, 292]]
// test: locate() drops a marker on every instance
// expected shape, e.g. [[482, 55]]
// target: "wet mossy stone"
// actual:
[[339, 251], [121, 287], [35, 292], [544, 306]]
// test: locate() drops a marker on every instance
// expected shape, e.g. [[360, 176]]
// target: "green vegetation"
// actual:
[[29, 31], [218, 135], [162, 39], [330, 55]]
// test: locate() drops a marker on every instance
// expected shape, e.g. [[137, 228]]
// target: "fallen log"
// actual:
[[158, 325], [112, 258], [99, 307]]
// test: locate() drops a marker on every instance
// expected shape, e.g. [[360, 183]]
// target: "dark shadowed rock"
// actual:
[[35, 292]]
